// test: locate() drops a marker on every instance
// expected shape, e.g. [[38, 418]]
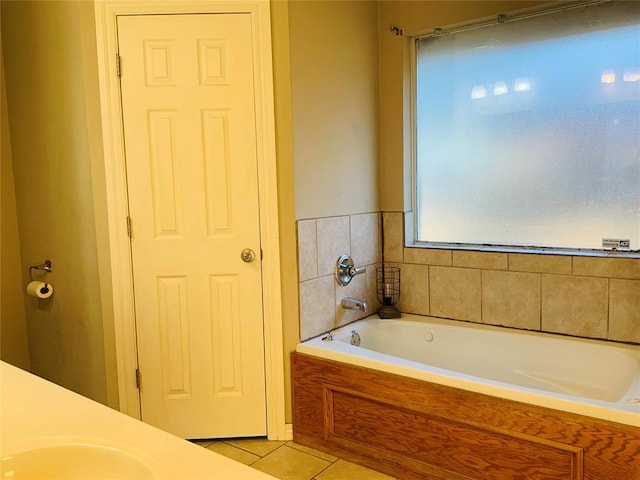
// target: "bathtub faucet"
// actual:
[[350, 303], [345, 270]]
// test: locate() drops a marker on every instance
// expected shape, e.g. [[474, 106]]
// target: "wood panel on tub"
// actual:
[[419, 430]]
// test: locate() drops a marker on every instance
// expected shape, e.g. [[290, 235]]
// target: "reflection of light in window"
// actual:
[[631, 76], [478, 92], [500, 88], [522, 85], [608, 76]]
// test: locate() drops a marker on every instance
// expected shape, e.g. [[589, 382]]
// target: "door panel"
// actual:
[[189, 127]]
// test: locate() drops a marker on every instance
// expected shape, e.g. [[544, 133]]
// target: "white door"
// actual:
[[189, 126]]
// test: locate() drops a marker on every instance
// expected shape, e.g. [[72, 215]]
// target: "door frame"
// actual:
[[106, 13]]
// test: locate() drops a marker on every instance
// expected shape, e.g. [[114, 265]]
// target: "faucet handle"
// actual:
[[353, 271], [345, 270]]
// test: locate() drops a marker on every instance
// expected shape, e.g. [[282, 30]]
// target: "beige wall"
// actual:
[[334, 96], [286, 191], [325, 69], [52, 101], [14, 346]]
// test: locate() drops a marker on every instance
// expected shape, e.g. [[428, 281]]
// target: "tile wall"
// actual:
[[321, 241], [596, 297]]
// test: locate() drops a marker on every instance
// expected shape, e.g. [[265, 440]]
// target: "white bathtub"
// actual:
[[587, 377]]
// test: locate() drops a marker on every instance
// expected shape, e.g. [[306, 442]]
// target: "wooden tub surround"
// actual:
[[413, 429]]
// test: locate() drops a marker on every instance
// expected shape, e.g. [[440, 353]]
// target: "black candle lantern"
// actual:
[[388, 290]]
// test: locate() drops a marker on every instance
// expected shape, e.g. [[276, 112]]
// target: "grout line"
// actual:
[[284, 444], [324, 469], [315, 246], [482, 296], [608, 309], [540, 301], [312, 454], [254, 453]]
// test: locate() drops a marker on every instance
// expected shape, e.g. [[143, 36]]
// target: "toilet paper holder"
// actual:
[[46, 266]]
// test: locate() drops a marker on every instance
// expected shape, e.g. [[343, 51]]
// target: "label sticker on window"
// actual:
[[615, 243]]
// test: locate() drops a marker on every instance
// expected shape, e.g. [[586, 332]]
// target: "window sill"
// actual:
[[528, 250]]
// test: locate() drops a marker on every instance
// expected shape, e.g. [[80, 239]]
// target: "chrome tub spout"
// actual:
[[350, 303]]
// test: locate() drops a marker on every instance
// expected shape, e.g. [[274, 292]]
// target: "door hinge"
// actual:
[[117, 64], [129, 226], [138, 378]]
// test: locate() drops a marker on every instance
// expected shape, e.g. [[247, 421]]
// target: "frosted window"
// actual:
[[528, 132]]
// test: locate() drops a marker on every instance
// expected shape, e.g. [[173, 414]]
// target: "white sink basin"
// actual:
[[78, 460]]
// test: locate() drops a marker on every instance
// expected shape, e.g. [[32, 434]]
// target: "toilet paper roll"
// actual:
[[40, 289]]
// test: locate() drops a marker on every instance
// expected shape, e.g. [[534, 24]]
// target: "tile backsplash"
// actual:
[[596, 297], [321, 241]]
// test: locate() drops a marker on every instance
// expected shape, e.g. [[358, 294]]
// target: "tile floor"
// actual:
[[289, 460]]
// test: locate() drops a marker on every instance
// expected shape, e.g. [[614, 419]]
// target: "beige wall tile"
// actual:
[[365, 238], [529, 262], [511, 299], [607, 267], [370, 294], [393, 234], [575, 305], [307, 250], [490, 260], [624, 314], [414, 289], [427, 256], [317, 306], [333, 241], [455, 293]]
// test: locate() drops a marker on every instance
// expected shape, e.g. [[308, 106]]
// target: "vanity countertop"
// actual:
[[37, 414]]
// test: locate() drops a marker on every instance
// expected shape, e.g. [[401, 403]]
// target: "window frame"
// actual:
[[411, 237]]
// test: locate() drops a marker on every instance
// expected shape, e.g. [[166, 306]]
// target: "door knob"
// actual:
[[248, 255]]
